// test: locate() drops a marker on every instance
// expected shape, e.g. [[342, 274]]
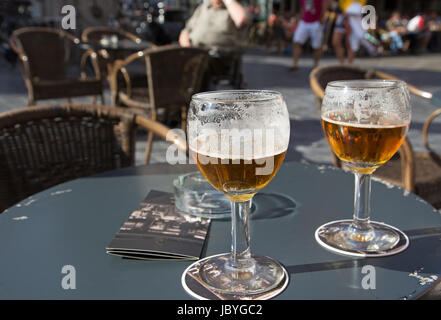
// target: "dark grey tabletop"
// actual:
[[72, 223]]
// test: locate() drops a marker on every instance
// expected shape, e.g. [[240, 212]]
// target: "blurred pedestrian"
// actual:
[[309, 27], [418, 30], [338, 35], [275, 33], [289, 25], [349, 26]]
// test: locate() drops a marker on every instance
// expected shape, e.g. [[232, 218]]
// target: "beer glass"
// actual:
[[239, 139], [365, 123]]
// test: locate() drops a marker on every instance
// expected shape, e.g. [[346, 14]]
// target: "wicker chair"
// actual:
[[416, 172], [95, 34], [173, 75], [43, 53], [47, 145], [105, 58]]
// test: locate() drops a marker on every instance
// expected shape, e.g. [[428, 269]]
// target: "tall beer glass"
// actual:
[[365, 123], [239, 139]]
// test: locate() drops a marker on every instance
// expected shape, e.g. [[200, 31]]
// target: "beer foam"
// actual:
[[239, 144], [366, 98], [238, 124], [374, 121]]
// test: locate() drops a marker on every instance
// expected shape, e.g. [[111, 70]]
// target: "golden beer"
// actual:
[[367, 145], [238, 177]]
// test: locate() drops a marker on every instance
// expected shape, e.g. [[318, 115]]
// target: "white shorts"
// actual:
[[306, 30], [357, 32]]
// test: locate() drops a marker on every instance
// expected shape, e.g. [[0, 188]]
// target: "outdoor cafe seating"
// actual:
[[69, 180], [44, 54], [416, 172], [109, 44], [44, 146], [173, 74]]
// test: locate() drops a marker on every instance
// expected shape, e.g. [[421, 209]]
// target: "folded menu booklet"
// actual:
[[159, 231]]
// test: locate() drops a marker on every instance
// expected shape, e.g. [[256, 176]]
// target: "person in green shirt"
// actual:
[[221, 26], [217, 23]]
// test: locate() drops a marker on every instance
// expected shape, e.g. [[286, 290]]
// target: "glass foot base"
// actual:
[[379, 241], [214, 278]]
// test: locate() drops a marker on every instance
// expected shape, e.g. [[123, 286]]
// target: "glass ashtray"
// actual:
[[194, 195]]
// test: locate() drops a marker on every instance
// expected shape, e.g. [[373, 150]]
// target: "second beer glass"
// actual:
[[365, 123]]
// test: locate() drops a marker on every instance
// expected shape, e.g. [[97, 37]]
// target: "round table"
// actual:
[[71, 224]]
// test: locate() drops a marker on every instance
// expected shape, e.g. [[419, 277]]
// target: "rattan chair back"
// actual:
[[46, 145]]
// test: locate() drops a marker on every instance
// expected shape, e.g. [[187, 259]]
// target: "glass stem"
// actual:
[[362, 206], [240, 245]]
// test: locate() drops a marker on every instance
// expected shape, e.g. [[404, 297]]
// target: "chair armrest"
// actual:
[[119, 66], [426, 127], [94, 59], [131, 36], [71, 37], [132, 103], [14, 46], [315, 86], [129, 59], [22, 56], [407, 165], [414, 90], [127, 80], [161, 130]]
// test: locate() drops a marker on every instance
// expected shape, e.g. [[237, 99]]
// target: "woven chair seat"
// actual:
[[53, 89], [46, 145], [427, 176]]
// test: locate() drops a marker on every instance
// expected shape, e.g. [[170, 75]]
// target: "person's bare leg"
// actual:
[[317, 55], [351, 56], [351, 53], [337, 44], [296, 55]]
